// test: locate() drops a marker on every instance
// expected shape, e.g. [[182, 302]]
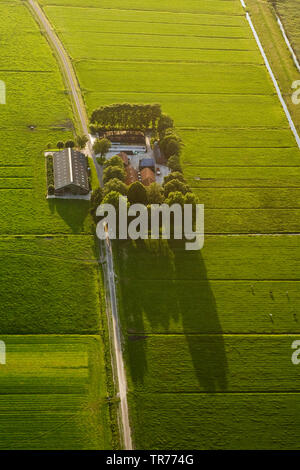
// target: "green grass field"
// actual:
[[53, 389], [209, 334], [39, 277], [290, 16], [35, 96], [53, 393]]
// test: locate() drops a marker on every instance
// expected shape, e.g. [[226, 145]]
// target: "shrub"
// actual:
[[51, 189], [50, 175]]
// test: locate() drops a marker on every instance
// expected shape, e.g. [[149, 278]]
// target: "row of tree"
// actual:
[[80, 142], [125, 116]]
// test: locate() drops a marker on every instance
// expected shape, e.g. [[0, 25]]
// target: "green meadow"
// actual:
[[53, 393], [216, 421], [290, 16], [39, 277], [207, 335], [53, 389], [35, 96]]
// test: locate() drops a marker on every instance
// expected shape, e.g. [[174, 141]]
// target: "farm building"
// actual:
[[148, 176], [131, 175], [70, 173], [147, 163]]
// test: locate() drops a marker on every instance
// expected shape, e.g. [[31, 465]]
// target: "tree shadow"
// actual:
[[74, 212], [207, 347], [165, 289]]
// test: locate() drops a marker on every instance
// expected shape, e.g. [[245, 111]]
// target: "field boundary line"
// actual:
[[212, 13], [222, 333]]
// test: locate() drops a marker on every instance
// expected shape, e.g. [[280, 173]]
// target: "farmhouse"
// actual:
[[148, 176], [70, 172]]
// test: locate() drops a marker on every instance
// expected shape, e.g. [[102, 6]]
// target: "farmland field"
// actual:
[[290, 16], [53, 389], [208, 335], [53, 393]]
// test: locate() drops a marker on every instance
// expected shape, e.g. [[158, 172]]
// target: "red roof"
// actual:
[[131, 175], [148, 176], [124, 157]]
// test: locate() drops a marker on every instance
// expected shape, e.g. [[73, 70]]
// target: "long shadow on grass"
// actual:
[[199, 314], [72, 211], [165, 290]]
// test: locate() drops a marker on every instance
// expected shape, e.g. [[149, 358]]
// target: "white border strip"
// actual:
[[285, 108], [243, 4], [288, 43], [70, 165]]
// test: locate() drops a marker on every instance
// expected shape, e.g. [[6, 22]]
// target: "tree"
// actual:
[[96, 200], [60, 145], [155, 114], [190, 198], [174, 164], [112, 198], [116, 160], [155, 194], [137, 193], [96, 197], [165, 122], [116, 185], [112, 172], [101, 146], [101, 160], [70, 144], [175, 175], [125, 116], [171, 145], [81, 141], [175, 197], [175, 186]]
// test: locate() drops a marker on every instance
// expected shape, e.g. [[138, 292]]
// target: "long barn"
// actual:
[[70, 172]]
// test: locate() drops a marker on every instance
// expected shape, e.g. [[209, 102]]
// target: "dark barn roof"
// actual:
[[70, 169], [147, 163]]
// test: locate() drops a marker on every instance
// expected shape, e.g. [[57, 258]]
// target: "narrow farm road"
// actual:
[[118, 343], [69, 75], [115, 331]]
